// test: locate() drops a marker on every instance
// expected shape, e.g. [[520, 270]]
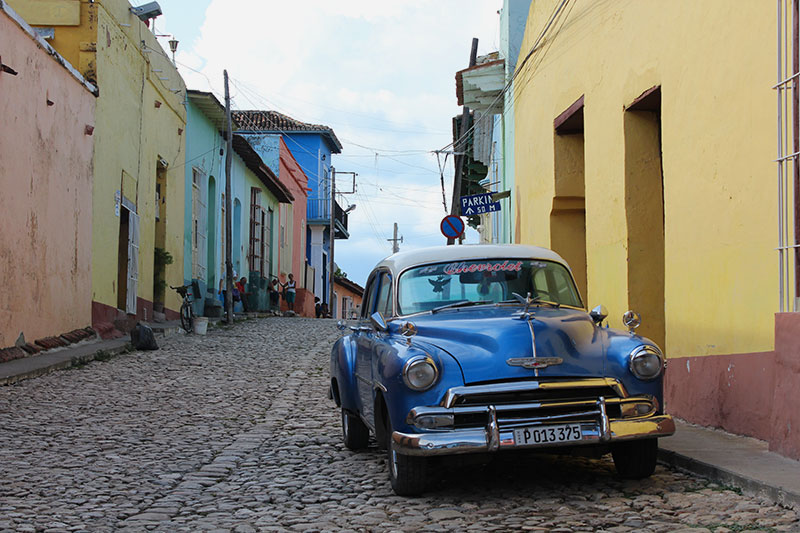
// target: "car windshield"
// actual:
[[428, 287]]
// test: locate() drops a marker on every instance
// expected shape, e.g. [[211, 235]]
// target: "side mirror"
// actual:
[[599, 314], [341, 325], [377, 321]]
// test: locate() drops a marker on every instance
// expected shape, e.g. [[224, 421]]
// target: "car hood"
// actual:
[[483, 339]]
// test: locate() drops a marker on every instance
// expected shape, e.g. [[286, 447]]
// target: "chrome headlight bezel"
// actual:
[[646, 350], [420, 360]]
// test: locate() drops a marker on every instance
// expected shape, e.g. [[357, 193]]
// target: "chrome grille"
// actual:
[[533, 402]]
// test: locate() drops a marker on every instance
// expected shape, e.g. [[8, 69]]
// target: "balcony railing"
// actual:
[[319, 212]]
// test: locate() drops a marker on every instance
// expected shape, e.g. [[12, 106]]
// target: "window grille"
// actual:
[[788, 92]]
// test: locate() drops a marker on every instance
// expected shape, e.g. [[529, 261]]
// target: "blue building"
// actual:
[[312, 145], [256, 194]]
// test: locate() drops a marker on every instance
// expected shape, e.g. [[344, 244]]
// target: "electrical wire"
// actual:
[[520, 68]]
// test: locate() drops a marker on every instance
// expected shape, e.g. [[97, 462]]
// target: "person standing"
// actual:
[[274, 295], [291, 291], [241, 285]]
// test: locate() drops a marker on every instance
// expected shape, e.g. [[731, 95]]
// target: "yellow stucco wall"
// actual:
[[715, 62], [139, 120]]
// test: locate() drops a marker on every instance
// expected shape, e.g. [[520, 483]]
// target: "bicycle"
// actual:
[[187, 315]]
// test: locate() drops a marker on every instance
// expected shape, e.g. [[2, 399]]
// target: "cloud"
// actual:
[[381, 74]]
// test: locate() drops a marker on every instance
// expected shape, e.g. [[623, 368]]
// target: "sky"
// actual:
[[380, 73]]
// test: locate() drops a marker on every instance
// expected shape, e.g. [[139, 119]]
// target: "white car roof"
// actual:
[[400, 261]]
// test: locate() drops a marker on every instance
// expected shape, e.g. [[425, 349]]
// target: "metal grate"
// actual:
[[788, 92]]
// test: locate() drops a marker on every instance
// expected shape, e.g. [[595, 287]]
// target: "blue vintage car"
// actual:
[[485, 348]]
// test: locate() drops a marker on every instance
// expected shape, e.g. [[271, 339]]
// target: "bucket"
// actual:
[[200, 325]]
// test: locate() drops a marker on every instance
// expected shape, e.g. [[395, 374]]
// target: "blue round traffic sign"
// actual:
[[452, 226]]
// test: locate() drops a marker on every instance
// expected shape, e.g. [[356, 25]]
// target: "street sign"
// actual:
[[478, 204], [452, 226]]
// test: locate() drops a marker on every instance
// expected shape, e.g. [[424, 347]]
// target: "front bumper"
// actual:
[[493, 438]]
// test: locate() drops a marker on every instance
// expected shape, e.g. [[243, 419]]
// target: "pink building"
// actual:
[[292, 252], [46, 149]]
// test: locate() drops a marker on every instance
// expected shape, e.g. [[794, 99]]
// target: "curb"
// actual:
[[723, 476], [32, 367]]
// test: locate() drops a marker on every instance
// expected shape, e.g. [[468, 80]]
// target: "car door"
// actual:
[[369, 341], [364, 335]]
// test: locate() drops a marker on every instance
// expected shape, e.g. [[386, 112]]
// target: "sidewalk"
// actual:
[[733, 460], [723, 458], [76, 354]]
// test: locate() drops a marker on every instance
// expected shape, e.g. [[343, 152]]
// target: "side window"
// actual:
[[369, 298], [385, 295]]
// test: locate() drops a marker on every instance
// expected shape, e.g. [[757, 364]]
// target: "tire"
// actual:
[[635, 459], [355, 433], [407, 473], [186, 317]]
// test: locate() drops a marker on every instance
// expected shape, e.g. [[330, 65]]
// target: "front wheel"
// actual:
[[354, 432], [407, 473], [635, 459], [186, 317]]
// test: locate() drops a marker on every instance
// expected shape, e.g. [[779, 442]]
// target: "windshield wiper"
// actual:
[[527, 302], [462, 303]]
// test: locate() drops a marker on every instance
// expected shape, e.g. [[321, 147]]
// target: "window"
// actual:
[[385, 295], [199, 224], [484, 280], [256, 252], [369, 297]]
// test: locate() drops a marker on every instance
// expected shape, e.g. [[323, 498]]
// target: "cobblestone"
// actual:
[[234, 432]]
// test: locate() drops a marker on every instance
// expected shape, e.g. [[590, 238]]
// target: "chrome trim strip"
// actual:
[[478, 440], [605, 429], [362, 378], [493, 430], [533, 344]]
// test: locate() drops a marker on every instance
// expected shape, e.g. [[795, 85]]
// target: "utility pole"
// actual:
[[332, 238], [395, 246], [228, 232], [455, 207]]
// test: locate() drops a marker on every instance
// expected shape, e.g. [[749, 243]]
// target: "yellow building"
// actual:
[[138, 155], [645, 147]]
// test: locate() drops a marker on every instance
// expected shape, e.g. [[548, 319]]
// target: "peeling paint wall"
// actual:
[[140, 119], [46, 184]]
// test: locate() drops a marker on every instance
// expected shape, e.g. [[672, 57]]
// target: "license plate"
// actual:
[[547, 434]]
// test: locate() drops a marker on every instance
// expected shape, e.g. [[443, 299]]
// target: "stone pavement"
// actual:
[[234, 432]]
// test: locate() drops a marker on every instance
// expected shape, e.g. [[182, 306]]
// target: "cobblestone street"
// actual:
[[234, 431]]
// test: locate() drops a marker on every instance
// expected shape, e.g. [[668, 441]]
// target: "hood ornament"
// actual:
[[525, 301], [534, 363]]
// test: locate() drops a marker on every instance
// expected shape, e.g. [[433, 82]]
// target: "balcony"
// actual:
[[318, 213]]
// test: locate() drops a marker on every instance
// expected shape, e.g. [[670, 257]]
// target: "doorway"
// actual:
[[161, 257], [644, 212], [568, 214]]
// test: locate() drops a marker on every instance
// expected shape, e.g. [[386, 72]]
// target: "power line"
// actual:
[[517, 71]]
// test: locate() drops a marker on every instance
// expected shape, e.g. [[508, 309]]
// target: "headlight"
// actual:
[[420, 372], [646, 362]]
